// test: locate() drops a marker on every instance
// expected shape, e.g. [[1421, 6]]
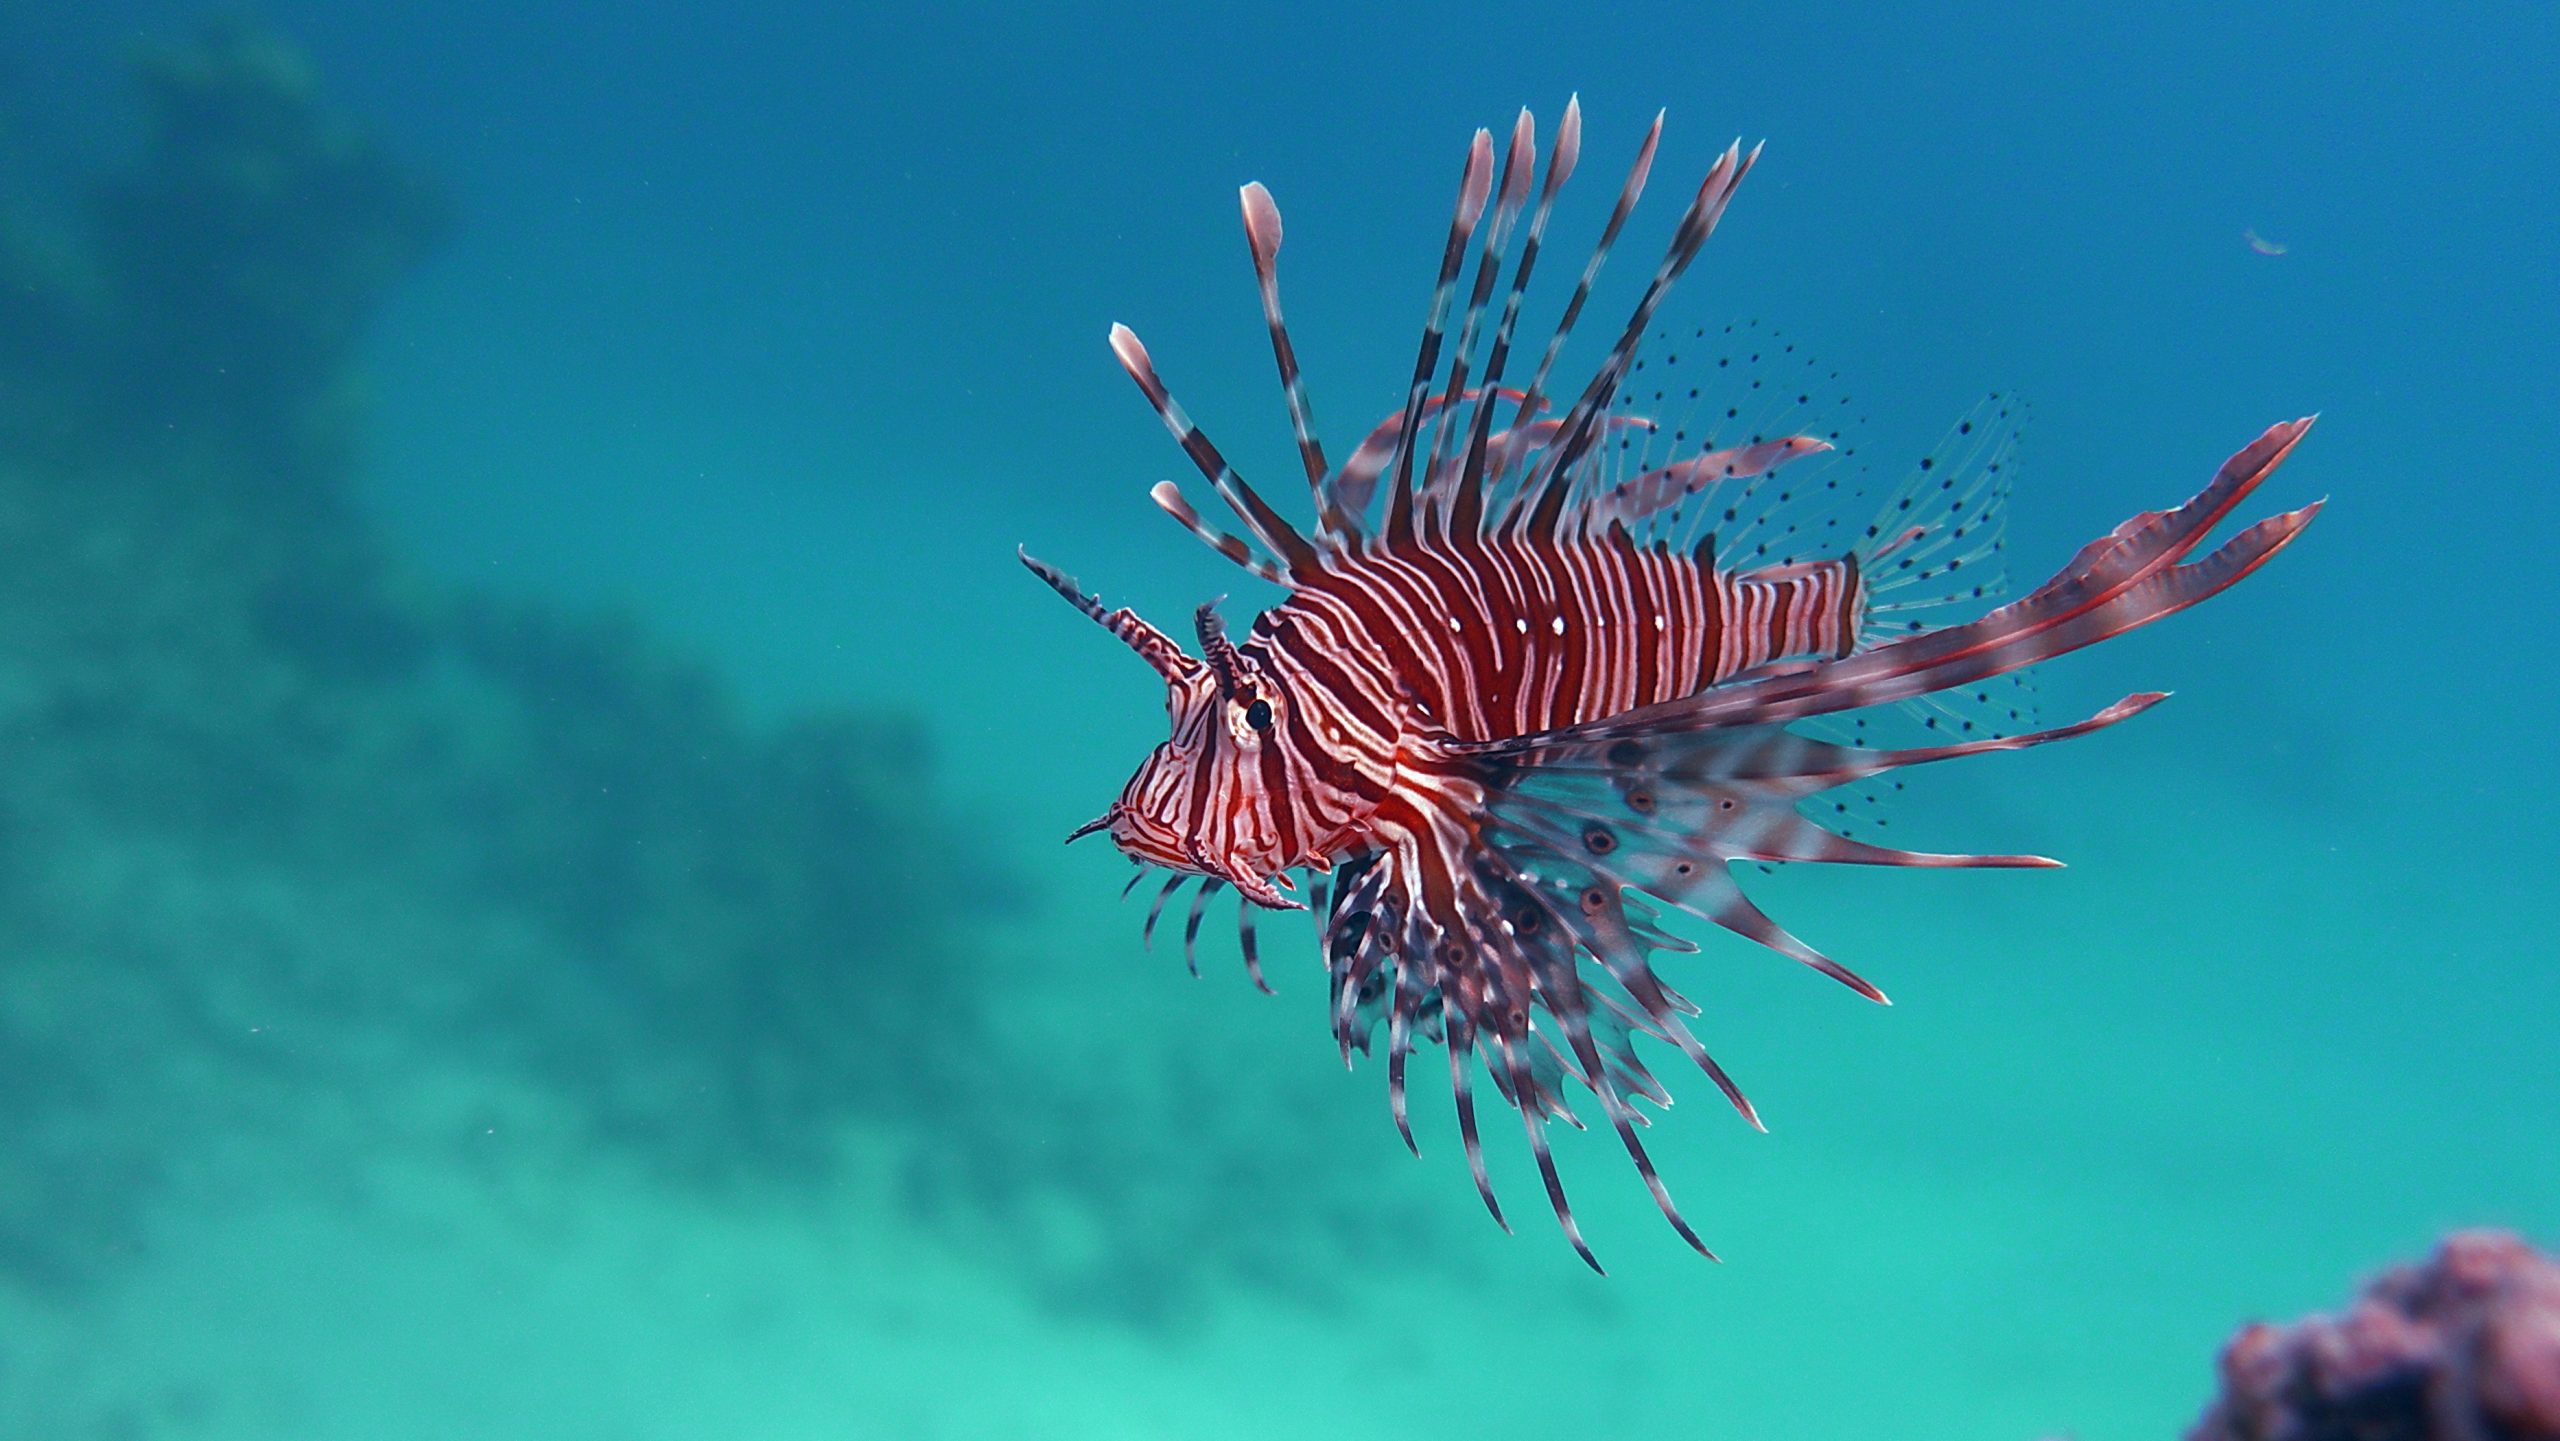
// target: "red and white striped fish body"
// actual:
[[1513, 707], [1496, 637], [1285, 747]]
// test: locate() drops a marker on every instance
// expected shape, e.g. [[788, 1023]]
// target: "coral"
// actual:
[[2465, 1347]]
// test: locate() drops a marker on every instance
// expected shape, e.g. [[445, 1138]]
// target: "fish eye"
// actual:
[[1258, 715]]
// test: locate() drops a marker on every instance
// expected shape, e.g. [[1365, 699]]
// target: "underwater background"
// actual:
[[530, 776]]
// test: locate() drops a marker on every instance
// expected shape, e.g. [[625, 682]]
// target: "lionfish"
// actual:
[[1521, 696]]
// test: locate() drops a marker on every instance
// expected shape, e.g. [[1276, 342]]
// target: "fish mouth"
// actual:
[[1267, 893], [1261, 892]]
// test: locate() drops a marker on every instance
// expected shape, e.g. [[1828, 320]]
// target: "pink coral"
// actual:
[[2465, 1347]]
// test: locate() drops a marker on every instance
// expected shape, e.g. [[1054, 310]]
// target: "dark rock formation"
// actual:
[[247, 249], [280, 820], [302, 853], [2465, 1347]]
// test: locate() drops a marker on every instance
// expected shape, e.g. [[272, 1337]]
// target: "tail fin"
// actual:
[[2127, 578]]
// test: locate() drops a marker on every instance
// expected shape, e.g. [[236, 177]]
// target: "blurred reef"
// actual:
[[299, 850], [216, 288], [2464, 1347], [270, 801]]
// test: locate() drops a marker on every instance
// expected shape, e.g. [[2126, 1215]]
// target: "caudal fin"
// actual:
[[2127, 578]]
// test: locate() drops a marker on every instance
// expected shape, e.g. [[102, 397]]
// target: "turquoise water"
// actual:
[[529, 878]]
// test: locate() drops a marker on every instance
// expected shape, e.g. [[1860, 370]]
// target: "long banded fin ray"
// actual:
[[1555, 472], [1262, 238], [1518, 159], [1267, 525], [1168, 498], [1629, 192], [1469, 501], [1473, 187]]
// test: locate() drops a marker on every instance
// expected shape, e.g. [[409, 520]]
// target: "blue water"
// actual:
[[754, 345]]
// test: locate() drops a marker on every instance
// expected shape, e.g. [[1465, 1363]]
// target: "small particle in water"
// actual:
[[2262, 244]]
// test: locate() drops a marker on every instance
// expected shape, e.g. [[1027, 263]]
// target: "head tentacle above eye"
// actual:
[[1219, 652], [1152, 645]]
